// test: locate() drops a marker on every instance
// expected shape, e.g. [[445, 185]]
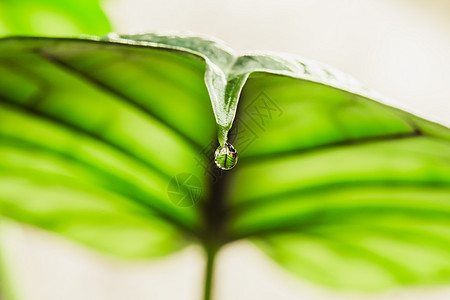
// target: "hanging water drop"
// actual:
[[225, 157]]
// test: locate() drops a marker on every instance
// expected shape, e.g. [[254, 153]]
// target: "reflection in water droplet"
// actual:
[[226, 157]]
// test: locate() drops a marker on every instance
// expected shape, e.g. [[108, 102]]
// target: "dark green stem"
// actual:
[[209, 273], [215, 217]]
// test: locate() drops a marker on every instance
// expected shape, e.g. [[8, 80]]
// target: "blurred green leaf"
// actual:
[[52, 17], [333, 183]]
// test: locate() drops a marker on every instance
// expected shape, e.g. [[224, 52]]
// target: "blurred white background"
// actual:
[[400, 48]]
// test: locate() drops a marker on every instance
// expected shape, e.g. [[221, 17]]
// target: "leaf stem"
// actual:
[[215, 233], [209, 272]]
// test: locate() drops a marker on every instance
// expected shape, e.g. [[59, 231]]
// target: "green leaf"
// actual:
[[99, 138], [341, 190], [52, 17], [84, 121]]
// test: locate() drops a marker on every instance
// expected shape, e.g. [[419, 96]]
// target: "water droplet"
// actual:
[[226, 157]]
